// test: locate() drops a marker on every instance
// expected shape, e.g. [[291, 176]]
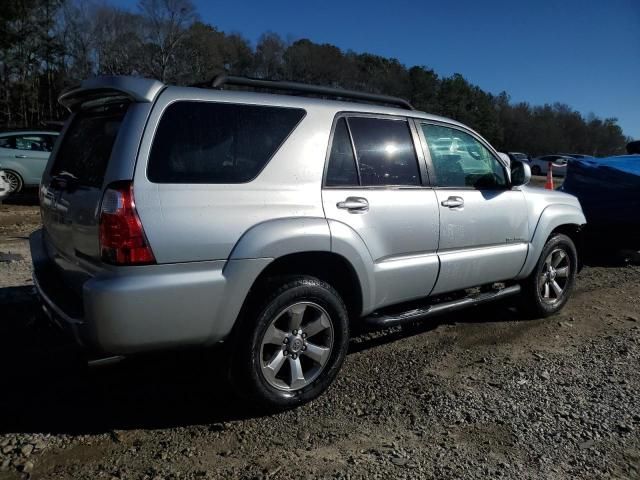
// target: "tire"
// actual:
[[535, 170], [540, 297], [284, 303], [15, 181]]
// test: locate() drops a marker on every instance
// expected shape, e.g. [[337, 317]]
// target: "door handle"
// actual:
[[453, 202], [21, 156], [354, 204]]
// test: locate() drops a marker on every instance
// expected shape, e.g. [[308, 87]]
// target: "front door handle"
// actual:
[[21, 156], [354, 204], [453, 202]]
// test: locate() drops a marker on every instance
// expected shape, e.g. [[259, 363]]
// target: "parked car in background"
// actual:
[[540, 165], [577, 155], [24, 155], [608, 192], [521, 157], [5, 188]]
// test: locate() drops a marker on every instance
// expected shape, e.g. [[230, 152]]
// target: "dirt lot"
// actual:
[[478, 394]]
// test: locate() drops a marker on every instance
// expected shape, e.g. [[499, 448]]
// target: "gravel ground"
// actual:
[[478, 394]]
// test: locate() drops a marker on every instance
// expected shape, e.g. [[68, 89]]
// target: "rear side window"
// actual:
[[87, 144], [384, 151], [203, 142]]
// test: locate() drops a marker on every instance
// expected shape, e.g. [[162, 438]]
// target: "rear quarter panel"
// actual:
[[196, 222]]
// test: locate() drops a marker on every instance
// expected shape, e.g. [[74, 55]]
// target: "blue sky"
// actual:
[[583, 53]]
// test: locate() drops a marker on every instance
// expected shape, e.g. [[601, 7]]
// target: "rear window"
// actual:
[[87, 144], [203, 142]]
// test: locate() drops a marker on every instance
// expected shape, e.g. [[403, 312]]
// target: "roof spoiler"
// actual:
[[99, 89], [223, 79]]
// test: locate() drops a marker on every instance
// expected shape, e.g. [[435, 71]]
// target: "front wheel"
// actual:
[[290, 348], [549, 286]]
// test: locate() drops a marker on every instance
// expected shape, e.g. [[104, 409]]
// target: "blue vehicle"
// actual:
[[608, 192], [24, 155]]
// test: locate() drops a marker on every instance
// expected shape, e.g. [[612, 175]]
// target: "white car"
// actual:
[[539, 165], [5, 186]]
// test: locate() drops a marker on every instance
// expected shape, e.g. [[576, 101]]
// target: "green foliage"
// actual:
[[46, 45]]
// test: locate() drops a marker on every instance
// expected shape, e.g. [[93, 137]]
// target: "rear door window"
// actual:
[[384, 151], [87, 144], [206, 142]]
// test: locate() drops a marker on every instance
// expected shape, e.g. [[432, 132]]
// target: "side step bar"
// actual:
[[379, 320]]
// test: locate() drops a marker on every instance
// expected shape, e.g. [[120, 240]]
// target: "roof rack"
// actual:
[[223, 79]]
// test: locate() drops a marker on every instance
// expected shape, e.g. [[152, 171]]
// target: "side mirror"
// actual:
[[520, 173]]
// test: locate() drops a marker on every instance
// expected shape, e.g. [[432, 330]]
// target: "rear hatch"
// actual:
[[90, 155], [72, 192]]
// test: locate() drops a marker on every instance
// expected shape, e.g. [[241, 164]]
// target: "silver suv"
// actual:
[[188, 216]]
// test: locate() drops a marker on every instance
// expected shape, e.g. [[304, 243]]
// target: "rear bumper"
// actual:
[[128, 310]]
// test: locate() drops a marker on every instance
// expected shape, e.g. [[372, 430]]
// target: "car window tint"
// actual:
[[86, 146], [35, 143], [342, 169], [205, 142], [7, 142], [385, 152], [459, 160]]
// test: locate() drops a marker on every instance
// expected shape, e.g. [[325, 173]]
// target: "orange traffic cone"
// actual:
[[549, 184]]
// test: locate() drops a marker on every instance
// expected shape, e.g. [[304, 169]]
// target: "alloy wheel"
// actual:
[[14, 181], [554, 276], [296, 346]]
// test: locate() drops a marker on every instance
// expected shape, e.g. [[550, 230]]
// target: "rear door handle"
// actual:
[[354, 204], [453, 202], [21, 156]]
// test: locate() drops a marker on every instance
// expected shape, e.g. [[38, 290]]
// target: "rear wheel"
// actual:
[[289, 349], [15, 181], [548, 288], [535, 170]]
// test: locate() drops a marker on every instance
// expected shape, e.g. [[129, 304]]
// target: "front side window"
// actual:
[[205, 142], [384, 151], [460, 160]]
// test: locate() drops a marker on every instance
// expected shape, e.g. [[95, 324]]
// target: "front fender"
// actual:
[[551, 218]]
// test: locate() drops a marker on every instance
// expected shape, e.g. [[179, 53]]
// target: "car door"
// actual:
[[483, 222], [32, 152], [376, 190]]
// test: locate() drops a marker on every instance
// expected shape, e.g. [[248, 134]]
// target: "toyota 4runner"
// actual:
[[188, 216]]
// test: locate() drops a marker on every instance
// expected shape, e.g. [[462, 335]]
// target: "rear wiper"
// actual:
[[64, 181]]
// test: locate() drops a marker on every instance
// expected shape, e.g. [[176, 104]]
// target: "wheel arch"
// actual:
[[559, 218], [305, 246], [327, 266]]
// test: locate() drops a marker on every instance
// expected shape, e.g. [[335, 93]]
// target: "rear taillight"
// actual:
[[122, 239]]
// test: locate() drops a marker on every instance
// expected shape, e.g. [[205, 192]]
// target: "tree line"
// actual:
[[49, 45]]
